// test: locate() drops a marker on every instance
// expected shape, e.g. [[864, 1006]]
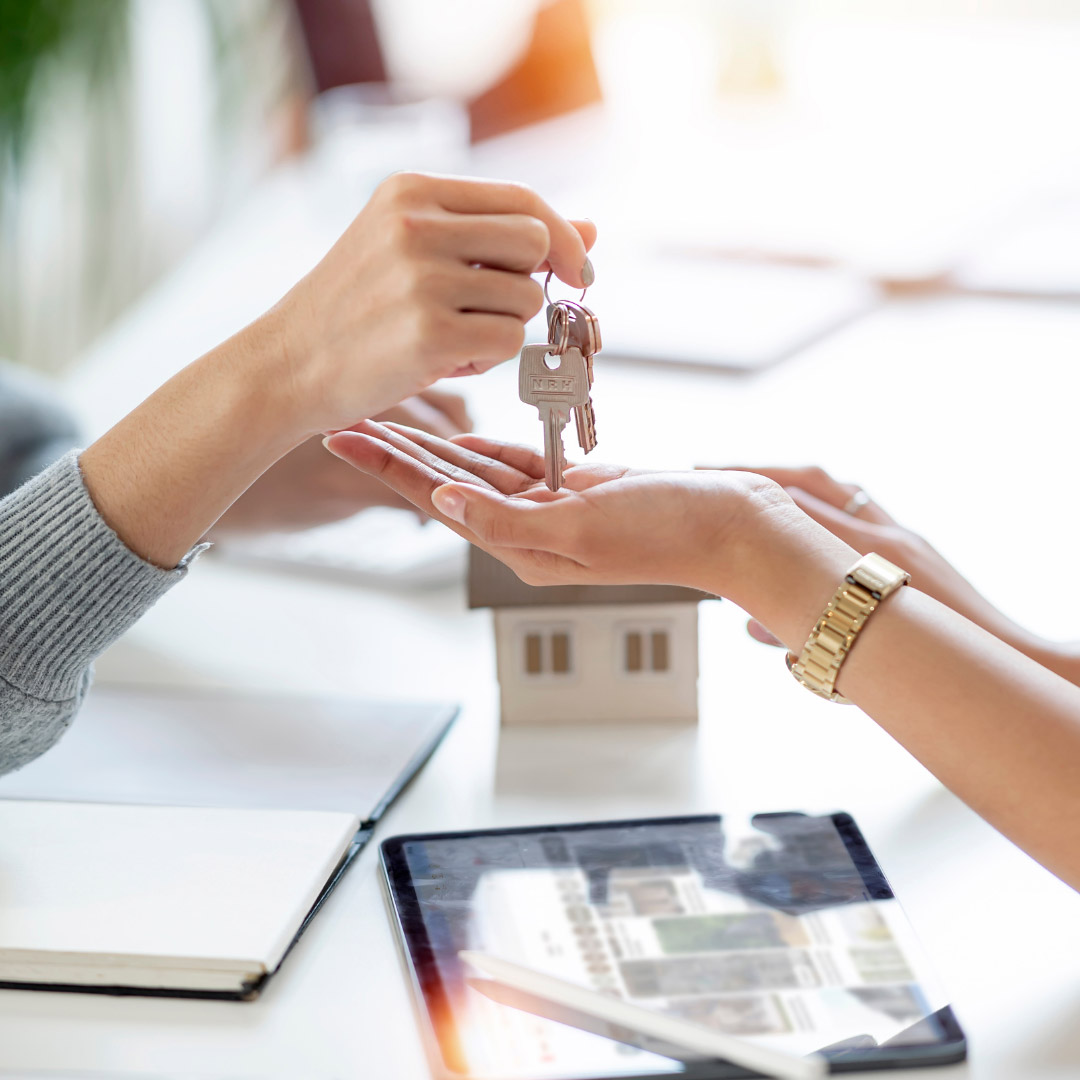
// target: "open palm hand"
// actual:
[[607, 525]]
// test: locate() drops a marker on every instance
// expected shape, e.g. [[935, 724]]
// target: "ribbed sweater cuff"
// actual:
[[69, 586]]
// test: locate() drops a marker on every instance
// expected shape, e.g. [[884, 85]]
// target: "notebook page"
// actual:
[[206, 748], [210, 888]]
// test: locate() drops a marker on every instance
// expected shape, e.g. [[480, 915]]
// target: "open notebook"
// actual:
[[179, 842]]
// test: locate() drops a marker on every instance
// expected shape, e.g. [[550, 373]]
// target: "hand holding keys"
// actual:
[[556, 391]]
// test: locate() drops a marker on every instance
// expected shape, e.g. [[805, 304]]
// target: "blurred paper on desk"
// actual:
[[382, 547], [1036, 253], [718, 312], [223, 749]]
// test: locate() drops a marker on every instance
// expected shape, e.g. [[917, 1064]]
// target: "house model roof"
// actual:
[[494, 585]]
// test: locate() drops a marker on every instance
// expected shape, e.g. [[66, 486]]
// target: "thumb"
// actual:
[[761, 633], [450, 502], [496, 519], [586, 229]]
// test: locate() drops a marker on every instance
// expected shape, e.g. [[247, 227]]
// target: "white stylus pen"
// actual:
[[684, 1034]]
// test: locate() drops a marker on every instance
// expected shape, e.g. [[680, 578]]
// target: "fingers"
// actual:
[[542, 567], [523, 459], [411, 479], [583, 477], [587, 230], [452, 406], [505, 529], [417, 412], [812, 479], [482, 340], [861, 535], [817, 482], [517, 243], [566, 249], [759, 633], [504, 521], [498, 473], [479, 289], [423, 448], [401, 472], [495, 520]]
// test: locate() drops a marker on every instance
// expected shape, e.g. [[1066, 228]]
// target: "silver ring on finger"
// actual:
[[857, 501]]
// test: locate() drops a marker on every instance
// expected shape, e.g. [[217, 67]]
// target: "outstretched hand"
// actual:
[[607, 525], [864, 525]]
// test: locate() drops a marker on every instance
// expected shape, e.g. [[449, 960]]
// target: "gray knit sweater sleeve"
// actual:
[[69, 587]]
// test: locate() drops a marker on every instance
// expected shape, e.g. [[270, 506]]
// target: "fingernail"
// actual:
[[326, 443], [588, 274], [449, 503]]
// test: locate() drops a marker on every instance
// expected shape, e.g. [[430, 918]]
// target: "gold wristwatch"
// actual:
[[865, 585]]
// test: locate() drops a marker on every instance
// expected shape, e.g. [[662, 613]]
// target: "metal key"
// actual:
[[575, 324], [585, 419], [554, 392], [584, 326]]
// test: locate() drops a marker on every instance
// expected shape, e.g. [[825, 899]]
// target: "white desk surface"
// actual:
[[969, 435]]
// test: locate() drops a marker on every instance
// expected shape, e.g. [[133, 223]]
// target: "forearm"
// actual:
[[998, 728], [1063, 658], [956, 592], [82, 545], [68, 589], [166, 472]]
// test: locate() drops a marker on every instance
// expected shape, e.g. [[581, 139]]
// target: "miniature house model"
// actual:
[[589, 652]]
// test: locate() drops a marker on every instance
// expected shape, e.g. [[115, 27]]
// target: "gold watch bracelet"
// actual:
[[864, 587]]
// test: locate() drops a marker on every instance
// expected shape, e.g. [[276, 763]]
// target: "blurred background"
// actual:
[[802, 155], [833, 232]]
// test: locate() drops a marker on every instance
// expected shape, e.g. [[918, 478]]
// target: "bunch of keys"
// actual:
[[556, 391]]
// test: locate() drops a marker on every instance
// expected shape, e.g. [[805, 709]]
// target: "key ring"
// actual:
[[547, 280], [574, 306], [559, 318]]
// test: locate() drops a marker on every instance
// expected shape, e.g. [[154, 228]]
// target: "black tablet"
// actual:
[[781, 929]]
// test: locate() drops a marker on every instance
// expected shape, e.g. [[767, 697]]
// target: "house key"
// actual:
[[555, 392], [572, 321]]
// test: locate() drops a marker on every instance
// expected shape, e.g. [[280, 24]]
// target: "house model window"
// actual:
[[581, 653], [646, 650], [547, 651]]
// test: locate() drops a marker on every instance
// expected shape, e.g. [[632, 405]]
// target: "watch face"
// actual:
[[878, 575]]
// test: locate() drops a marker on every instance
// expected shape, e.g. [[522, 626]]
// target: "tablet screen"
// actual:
[[781, 930]]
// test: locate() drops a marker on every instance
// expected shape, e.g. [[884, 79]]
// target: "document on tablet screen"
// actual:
[[666, 941], [767, 938]]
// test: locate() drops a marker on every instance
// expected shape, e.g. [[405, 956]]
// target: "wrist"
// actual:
[[167, 471], [782, 568], [263, 377]]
